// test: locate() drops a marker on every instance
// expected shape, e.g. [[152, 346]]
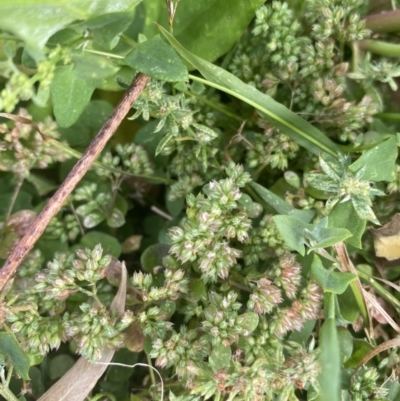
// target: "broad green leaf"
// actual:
[[43, 185], [153, 256], [220, 357], [343, 215], [348, 306], [345, 343], [35, 22], [304, 333], [321, 236], [107, 29], [110, 244], [88, 124], [296, 233], [70, 95], [379, 162], [93, 68], [10, 347], [208, 28], [59, 365], [329, 378], [116, 219], [248, 321], [279, 205], [361, 348], [278, 115], [158, 60], [93, 219], [330, 281]]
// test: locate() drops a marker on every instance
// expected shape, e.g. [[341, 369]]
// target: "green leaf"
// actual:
[[345, 343], [110, 244], [93, 68], [330, 281], [116, 219], [379, 162], [348, 306], [220, 357], [107, 29], [248, 321], [329, 378], [10, 347], [292, 232], [153, 256], [296, 233], [158, 60], [208, 28], [93, 219], [70, 95], [278, 115], [43, 185], [361, 348], [35, 22], [343, 215], [279, 205], [59, 365], [302, 336]]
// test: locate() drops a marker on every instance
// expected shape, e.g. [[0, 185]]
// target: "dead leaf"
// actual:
[[79, 381], [387, 239]]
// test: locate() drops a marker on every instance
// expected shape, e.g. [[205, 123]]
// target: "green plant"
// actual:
[[237, 193]]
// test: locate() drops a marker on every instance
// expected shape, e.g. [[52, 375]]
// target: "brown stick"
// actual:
[[81, 167]]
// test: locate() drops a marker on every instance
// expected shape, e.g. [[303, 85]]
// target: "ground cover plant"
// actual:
[[236, 237]]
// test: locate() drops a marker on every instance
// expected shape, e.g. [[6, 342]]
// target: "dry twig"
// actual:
[[82, 166]]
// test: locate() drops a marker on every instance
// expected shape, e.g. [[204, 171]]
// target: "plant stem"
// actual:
[[388, 116], [15, 196], [380, 289], [212, 104], [7, 394], [386, 22], [111, 55], [379, 47], [152, 377], [74, 177]]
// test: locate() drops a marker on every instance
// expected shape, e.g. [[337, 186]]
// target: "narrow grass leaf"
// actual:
[[278, 115]]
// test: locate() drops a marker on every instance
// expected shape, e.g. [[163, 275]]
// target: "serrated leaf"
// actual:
[[70, 95], [278, 115], [330, 281], [163, 142], [378, 163], [10, 347], [158, 60]]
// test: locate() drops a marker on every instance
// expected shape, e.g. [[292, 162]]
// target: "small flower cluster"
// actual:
[[96, 207], [174, 285], [23, 148], [94, 328], [38, 329], [130, 158], [63, 227], [365, 385], [181, 350], [20, 86], [58, 281], [213, 220], [336, 19]]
